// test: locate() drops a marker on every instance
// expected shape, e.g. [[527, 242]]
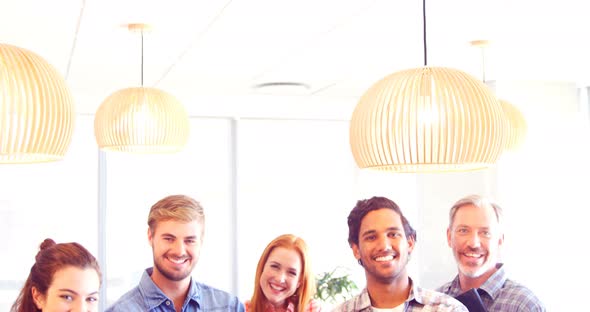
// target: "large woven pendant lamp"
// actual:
[[37, 111], [516, 126], [429, 119], [141, 119]]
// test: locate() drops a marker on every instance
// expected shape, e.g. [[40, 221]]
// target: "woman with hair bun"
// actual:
[[65, 277]]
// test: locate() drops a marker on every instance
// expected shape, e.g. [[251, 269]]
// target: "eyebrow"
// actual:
[[472, 227], [68, 290], [288, 268], [75, 293], [392, 228], [174, 236]]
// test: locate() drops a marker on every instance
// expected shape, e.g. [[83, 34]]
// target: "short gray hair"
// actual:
[[477, 201]]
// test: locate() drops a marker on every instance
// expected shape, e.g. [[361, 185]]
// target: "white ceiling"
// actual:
[[219, 49]]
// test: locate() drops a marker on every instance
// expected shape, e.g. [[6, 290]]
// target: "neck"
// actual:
[[386, 295], [468, 282], [280, 307], [175, 290]]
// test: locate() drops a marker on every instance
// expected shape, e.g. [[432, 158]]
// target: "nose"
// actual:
[[179, 248], [80, 306], [384, 243], [282, 277], [474, 241]]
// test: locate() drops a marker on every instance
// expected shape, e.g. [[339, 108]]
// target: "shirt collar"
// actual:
[[416, 293], [494, 283], [364, 300], [491, 286], [154, 295]]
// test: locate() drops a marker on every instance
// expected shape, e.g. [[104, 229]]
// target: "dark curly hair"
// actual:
[[364, 206]]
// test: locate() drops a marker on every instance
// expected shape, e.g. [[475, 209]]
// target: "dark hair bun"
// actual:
[[48, 242]]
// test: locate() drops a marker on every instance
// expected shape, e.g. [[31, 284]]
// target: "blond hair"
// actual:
[[178, 208]]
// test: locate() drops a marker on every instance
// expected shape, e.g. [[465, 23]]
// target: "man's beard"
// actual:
[[171, 274]]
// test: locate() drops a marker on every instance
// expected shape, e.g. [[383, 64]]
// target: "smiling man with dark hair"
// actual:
[[382, 241]]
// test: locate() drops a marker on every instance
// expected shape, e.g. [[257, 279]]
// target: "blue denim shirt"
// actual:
[[200, 298]]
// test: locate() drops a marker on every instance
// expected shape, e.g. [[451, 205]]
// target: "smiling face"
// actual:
[[475, 238], [383, 247], [281, 275], [72, 289], [176, 247]]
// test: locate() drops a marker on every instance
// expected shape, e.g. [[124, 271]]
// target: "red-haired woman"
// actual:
[[284, 281]]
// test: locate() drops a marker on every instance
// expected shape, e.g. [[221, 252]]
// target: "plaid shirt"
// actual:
[[420, 299], [500, 294]]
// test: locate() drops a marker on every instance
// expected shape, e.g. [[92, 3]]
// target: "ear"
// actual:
[[150, 235], [501, 239], [355, 250], [38, 298], [411, 243], [449, 237]]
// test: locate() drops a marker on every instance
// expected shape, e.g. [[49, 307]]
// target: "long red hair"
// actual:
[[304, 292]]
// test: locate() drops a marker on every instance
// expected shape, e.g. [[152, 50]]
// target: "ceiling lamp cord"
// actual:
[[424, 32], [141, 58], [483, 65], [482, 44]]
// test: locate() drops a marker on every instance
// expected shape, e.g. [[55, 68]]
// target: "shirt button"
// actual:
[[168, 303]]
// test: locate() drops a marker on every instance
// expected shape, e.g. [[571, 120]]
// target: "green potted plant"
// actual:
[[334, 287]]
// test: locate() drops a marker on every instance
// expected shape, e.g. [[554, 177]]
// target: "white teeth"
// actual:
[[276, 287], [177, 261], [386, 258], [472, 255]]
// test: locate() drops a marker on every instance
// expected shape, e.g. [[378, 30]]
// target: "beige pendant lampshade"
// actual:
[[141, 120], [36, 108], [428, 119], [517, 126]]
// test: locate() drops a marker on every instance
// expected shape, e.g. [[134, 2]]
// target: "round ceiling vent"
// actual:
[[282, 88]]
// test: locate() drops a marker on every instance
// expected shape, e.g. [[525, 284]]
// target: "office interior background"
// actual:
[[264, 162]]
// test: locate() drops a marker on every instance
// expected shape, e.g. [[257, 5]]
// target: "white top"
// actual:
[[399, 308]]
